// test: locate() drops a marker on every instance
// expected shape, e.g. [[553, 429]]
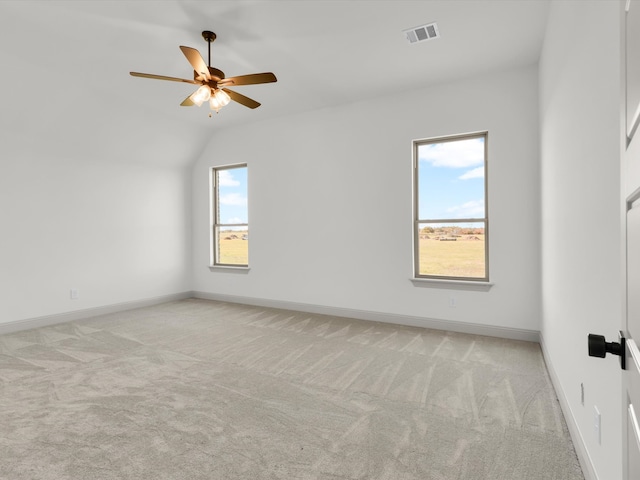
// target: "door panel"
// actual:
[[632, 61], [634, 457], [633, 411], [633, 270]]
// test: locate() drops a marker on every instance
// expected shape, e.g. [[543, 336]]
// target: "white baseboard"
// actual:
[[413, 321], [47, 320], [584, 458], [396, 319]]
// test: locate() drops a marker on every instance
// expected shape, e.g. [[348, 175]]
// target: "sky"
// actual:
[[451, 179], [232, 192], [450, 183]]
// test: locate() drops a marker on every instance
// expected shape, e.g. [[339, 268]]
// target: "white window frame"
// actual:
[[215, 223], [421, 221]]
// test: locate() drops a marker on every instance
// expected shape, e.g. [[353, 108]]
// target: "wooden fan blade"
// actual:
[[162, 77], [246, 101], [196, 61], [252, 79], [187, 102]]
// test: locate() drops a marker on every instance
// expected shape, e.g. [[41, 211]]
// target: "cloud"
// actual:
[[233, 220], [234, 199], [457, 154], [475, 173], [225, 179], [472, 209]]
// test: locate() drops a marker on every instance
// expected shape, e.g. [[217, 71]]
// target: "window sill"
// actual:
[[228, 268], [451, 284]]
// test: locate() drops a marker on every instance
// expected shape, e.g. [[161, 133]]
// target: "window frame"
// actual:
[[214, 218], [418, 221]]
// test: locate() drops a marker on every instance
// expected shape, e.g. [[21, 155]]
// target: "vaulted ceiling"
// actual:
[[65, 64]]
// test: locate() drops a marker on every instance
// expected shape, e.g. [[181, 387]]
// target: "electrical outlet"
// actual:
[[452, 302], [582, 394], [597, 424], [73, 294]]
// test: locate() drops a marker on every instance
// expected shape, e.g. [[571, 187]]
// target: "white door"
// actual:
[[631, 188]]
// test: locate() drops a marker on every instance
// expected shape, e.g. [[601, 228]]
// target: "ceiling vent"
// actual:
[[422, 33]]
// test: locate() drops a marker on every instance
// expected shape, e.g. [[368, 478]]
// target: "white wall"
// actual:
[[579, 98], [330, 203], [117, 231]]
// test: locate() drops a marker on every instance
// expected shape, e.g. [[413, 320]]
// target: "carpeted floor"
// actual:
[[208, 390]]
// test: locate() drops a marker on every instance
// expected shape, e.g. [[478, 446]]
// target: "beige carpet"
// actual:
[[207, 390]]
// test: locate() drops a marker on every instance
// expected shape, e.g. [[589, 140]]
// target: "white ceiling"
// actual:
[[65, 64]]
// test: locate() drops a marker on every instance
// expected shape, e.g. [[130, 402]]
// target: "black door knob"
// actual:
[[599, 347]]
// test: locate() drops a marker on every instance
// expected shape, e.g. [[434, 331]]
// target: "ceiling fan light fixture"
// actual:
[[222, 97], [214, 104], [218, 100], [206, 78], [201, 95]]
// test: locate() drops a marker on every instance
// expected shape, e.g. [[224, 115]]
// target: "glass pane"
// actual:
[[232, 195], [451, 179], [452, 250], [233, 246]]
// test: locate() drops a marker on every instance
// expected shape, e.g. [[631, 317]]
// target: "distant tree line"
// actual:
[[452, 231]]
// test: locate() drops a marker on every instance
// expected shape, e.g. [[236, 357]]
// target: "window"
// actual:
[[229, 217], [450, 208]]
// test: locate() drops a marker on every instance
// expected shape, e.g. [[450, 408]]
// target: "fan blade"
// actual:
[[252, 79], [162, 77], [196, 61], [246, 101], [187, 102]]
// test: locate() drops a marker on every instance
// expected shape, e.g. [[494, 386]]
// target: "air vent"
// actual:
[[422, 33]]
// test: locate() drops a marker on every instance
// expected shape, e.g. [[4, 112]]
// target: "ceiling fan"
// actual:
[[213, 84]]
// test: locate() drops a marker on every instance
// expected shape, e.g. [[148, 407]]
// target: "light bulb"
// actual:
[[218, 100], [201, 95], [222, 97], [214, 104]]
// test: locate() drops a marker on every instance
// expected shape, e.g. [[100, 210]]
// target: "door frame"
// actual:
[[630, 196]]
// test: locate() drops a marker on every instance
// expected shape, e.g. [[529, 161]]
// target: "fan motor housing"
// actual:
[[215, 73], [216, 76]]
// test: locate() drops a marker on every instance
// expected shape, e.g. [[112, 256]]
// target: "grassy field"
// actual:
[[233, 250], [463, 257]]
